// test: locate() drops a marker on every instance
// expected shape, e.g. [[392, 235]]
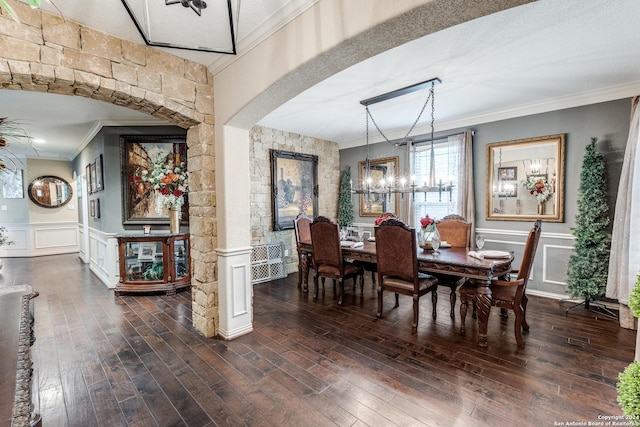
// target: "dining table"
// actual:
[[453, 261]]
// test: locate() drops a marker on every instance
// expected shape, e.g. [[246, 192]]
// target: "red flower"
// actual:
[[426, 221], [136, 179], [165, 191], [177, 193], [381, 219]]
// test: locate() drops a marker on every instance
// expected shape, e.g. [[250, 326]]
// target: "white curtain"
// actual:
[[451, 162], [466, 194], [624, 262]]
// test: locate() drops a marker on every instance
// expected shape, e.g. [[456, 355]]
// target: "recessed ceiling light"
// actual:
[[38, 141]]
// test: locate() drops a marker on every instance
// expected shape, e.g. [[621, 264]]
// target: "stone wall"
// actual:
[[46, 53], [262, 141]]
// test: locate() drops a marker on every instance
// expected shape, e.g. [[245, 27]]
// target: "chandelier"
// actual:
[[212, 28], [403, 184]]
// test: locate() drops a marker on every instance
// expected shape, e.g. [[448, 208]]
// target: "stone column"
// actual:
[[203, 228]]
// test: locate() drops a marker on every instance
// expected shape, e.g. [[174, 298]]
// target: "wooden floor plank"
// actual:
[[135, 360]]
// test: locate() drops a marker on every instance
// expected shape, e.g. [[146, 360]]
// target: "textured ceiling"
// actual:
[[542, 56]]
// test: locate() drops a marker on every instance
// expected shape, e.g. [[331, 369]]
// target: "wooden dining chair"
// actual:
[[509, 294], [302, 228], [372, 266], [396, 252], [456, 231], [328, 261]]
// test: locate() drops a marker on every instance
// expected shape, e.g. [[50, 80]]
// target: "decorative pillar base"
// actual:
[[235, 292]]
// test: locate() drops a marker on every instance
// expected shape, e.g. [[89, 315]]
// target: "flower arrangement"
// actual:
[[538, 187], [428, 224], [171, 181], [4, 240]]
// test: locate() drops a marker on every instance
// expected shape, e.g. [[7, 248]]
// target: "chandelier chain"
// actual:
[[430, 97]]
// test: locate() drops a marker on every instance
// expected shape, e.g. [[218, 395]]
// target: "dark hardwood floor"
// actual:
[[102, 360]]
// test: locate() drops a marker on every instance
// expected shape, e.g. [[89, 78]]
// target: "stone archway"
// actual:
[[46, 53]]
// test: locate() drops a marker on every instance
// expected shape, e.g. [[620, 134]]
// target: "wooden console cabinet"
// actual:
[[153, 263]]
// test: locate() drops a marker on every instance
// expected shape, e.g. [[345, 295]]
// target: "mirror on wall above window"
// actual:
[[50, 191], [525, 179]]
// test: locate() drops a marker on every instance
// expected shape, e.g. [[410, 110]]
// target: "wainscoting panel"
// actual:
[[239, 277], [549, 272], [38, 239], [103, 255], [19, 235]]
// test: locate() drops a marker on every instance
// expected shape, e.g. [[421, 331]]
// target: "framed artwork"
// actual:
[[378, 201], [97, 208], [87, 172], [94, 178], [507, 182], [12, 184], [147, 251], [79, 186], [99, 177], [141, 203], [92, 208], [294, 187], [507, 174]]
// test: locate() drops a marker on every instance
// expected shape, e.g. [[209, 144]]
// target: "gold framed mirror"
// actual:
[[525, 179], [377, 202]]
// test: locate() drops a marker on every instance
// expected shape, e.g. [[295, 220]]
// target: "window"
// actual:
[[447, 170]]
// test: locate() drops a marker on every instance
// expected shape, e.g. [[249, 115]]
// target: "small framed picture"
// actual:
[[92, 208], [97, 208], [507, 174], [87, 172], [94, 182], [99, 177], [147, 251]]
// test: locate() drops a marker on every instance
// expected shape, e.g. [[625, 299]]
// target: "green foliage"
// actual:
[[345, 206], [629, 392], [634, 299], [154, 272], [588, 267], [4, 240]]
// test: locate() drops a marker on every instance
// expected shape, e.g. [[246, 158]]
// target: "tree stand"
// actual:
[[589, 304]]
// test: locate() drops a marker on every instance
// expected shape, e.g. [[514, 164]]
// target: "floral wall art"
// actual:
[[154, 175]]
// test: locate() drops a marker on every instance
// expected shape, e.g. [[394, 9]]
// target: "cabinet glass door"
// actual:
[[181, 256], [144, 261]]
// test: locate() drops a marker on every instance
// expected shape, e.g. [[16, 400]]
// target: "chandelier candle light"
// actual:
[[402, 184]]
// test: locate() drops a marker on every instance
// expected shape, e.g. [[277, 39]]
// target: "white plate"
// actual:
[[371, 239], [445, 245], [346, 243], [495, 254]]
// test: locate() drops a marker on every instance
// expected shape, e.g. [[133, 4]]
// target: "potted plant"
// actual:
[[4, 240], [629, 380]]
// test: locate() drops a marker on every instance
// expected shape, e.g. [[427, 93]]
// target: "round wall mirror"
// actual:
[[50, 191]]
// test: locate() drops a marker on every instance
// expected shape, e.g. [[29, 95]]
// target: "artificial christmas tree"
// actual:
[[588, 267], [345, 206]]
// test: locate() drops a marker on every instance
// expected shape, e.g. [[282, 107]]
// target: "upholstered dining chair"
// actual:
[[509, 294], [372, 266], [398, 267], [456, 231], [302, 228], [328, 261]]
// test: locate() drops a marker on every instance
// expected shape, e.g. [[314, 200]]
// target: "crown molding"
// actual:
[[570, 101], [290, 11]]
